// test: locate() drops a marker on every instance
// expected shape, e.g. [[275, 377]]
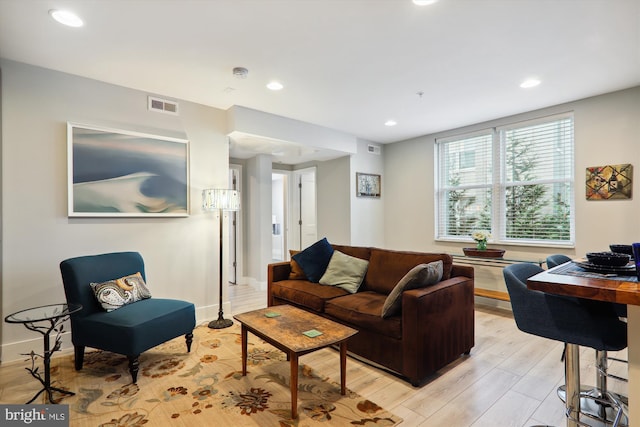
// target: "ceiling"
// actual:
[[349, 65]]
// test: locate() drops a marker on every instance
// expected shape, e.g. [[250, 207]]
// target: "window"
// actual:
[[516, 181]]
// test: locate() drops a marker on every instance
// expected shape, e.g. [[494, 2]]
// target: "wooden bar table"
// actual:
[[603, 288]]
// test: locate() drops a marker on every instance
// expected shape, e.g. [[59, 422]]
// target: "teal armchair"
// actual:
[[130, 329]]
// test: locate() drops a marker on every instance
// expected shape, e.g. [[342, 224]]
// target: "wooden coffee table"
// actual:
[[285, 332]]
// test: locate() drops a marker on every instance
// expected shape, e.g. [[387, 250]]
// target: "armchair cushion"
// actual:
[[137, 327], [116, 293]]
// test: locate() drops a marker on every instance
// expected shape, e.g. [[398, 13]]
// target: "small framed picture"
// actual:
[[367, 185], [609, 182]]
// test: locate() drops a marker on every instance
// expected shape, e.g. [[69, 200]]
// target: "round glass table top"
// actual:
[[45, 312]]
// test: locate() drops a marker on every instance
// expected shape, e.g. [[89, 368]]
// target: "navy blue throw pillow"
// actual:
[[315, 259]]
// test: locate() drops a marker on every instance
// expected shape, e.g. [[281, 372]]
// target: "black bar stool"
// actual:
[[573, 321], [597, 411]]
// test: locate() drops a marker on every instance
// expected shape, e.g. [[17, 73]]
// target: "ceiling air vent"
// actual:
[[373, 149], [163, 106]]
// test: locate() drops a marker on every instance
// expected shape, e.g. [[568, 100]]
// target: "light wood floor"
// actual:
[[510, 378]]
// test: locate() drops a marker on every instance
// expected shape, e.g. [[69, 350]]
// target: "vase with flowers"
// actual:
[[481, 237]]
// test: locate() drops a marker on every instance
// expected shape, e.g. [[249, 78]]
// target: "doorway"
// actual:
[[279, 203], [303, 209], [293, 211]]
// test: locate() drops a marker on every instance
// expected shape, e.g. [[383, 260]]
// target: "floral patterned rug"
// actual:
[[206, 387]]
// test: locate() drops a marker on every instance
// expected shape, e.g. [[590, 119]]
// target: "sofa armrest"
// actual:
[[276, 272], [437, 325], [462, 270]]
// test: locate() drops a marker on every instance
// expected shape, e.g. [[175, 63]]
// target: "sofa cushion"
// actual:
[[362, 311], [296, 271], [314, 259], [387, 267], [345, 272], [305, 294], [116, 293], [419, 276]]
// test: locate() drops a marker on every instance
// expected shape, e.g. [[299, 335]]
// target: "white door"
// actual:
[[278, 216], [304, 219]]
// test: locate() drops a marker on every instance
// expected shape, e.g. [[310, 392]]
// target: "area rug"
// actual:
[[206, 387]]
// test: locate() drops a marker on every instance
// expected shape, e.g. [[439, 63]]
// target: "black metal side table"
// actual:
[[55, 315]]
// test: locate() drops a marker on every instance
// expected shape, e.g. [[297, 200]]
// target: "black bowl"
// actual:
[[609, 259], [622, 249]]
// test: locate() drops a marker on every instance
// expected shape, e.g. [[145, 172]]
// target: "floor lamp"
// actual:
[[220, 200]]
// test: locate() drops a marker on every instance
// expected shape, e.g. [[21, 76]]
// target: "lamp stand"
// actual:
[[220, 322]]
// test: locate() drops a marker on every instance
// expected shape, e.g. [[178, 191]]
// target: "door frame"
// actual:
[[238, 217]]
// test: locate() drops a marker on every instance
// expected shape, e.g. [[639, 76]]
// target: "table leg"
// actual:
[[343, 368], [46, 360], [243, 333], [633, 334], [294, 385], [572, 379]]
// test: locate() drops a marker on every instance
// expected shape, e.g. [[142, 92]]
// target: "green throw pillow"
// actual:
[[418, 277], [345, 272]]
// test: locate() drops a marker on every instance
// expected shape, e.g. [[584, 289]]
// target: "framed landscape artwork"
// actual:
[[367, 185], [609, 182], [116, 173]]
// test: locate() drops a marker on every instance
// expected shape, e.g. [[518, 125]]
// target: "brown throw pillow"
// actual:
[[296, 271], [418, 277]]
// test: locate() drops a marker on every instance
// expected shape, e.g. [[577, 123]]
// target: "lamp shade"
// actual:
[[214, 199]]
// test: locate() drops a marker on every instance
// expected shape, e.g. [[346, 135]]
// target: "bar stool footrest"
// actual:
[[598, 407]]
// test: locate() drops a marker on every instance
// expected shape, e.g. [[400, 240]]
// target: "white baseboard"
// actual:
[[206, 314], [20, 350]]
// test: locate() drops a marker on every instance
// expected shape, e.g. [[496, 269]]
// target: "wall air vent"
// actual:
[[373, 149], [163, 106]]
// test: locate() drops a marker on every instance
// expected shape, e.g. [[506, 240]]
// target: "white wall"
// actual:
[[258, 123], [333, 202], [367, 214], [180, 253], [342, 217], [606, 132], [257, 217]]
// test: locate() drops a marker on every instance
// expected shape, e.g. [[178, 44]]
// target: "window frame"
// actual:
[[499, 184]]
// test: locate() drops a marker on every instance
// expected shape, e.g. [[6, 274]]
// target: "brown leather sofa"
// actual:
[[435, 325]]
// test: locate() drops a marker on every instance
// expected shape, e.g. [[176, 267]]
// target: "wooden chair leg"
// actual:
[[78, 351], [133, 367], [189, 338]]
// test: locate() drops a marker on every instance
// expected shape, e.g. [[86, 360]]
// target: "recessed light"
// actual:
[[424, 2], [67, 18], [275, 85], [529, 83], [390, 123]]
